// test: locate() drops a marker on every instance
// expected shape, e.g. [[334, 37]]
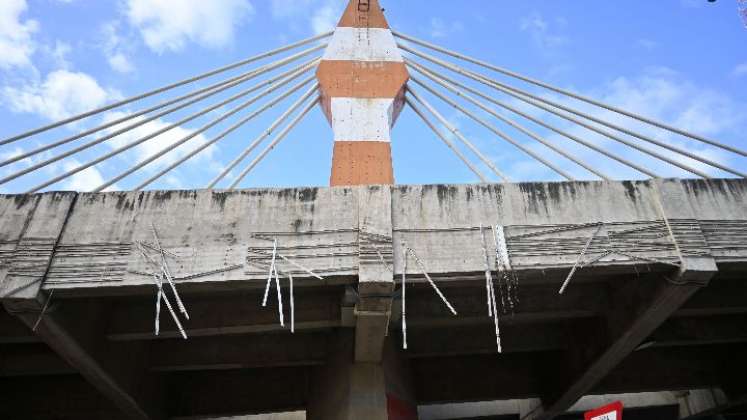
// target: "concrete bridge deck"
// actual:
[[659, 303]]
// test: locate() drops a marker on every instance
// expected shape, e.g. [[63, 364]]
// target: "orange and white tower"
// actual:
[[362, 80]]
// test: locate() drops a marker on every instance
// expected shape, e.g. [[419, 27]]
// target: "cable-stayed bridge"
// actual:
[[367, 299]]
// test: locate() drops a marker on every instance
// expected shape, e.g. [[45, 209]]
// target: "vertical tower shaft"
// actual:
[[362, 78]]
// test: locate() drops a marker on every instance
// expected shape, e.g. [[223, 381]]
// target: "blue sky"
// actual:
[[680, 61]]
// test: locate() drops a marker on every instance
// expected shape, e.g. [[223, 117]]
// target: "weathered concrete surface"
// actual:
[[208, 231], [441, 222], [87, 245], [546, 225]]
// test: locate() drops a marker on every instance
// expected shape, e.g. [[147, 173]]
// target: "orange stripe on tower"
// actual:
[[363, 14], [362, 78]]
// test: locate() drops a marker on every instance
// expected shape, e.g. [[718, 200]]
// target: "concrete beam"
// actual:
[[239, 352], [538, 303], [688, 331], [722, 297], [455, 379], [72, 331], [669, 368], [215, 315], [637, 308], [628, 330], [464, 340]]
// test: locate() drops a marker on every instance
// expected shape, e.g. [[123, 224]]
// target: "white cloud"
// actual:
[[441, 29], [62, 94], [545, 35], [664, 93], [16, 43], [85, 180], [120, 63], [155, 145], [115, 48], [168, 25], [740, 70], [661, 94]]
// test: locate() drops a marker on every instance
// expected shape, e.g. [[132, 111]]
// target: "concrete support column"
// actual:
[[375, 273], [348, 390]]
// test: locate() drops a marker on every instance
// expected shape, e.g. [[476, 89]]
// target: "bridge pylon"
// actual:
[[362, 79]]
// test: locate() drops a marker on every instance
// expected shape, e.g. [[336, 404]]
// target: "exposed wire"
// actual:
[[288, 260], [405, 256], [167, 273], [424, 271], [43, 311], [579, 259], [292, 304], [269, 275], [496, 319], [157, 326], [488, 275], [174, 316], [280, 296]]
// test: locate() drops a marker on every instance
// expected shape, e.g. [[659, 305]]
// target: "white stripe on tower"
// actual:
[[356, 119], [362, 78], [363, 44]]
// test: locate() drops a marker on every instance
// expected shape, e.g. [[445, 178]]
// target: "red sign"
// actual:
[[399, 409], [613, 411]]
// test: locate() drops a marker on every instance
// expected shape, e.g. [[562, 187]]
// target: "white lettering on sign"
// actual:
[[608, 416]]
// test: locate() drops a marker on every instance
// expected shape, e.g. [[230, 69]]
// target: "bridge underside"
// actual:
[[657, 301]]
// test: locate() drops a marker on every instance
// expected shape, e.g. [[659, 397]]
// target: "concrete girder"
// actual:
[[637, 309], [73, 332]]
